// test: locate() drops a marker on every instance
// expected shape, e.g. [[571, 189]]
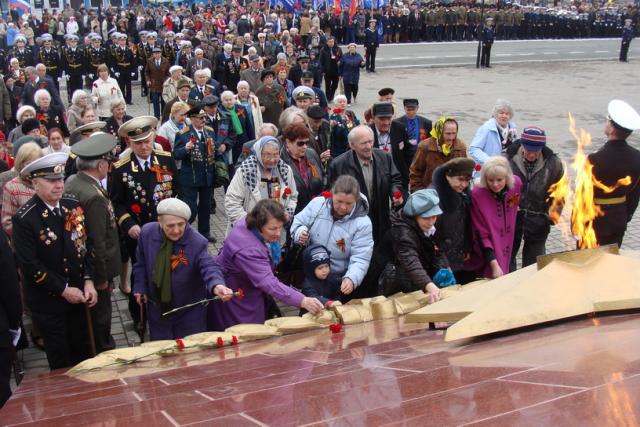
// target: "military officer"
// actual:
[[50, 57], [233, 66], [371, 45], [123, 66], [72, 64], [614, 162], [50, 240], [95, 55], [94, 157], [203, 87], [22, 52], [487, 37], [197, 147], [143, 54], [627, 36], [80, 133], [139, 181], [170, 47]]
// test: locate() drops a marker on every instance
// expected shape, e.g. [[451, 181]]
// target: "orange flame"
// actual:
[[581, 200]]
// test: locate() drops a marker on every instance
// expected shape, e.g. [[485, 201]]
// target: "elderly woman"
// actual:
[[414, 260], [25, 112], [242, 126], [349, 70], [494, 209], [104, 91], [342, 121], [340, 223], [17, 191], [443, 145], [282, 80], [169, 129], [118, 117], [453, 227], [293, 115], [250, 102], [273, 98], [79, 101], [50, 116], [495, 135], [304, 161], [262, 175], [172, 269], [55, 140], [170, 85], [248, 258], [281, 62]]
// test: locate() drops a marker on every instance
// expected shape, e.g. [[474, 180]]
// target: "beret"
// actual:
[[175, 207]]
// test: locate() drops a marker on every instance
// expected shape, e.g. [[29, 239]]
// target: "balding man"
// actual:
[[198, 62]]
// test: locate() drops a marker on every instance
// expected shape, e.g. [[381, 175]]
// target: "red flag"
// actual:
[[352, 10], [337, 8]]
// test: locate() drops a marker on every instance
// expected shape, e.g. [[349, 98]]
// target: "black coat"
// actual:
[[10, 301], [49, 256], [306, 192], [328, 64], [402, 155], [386, 180], [453, 227], [534, 200]]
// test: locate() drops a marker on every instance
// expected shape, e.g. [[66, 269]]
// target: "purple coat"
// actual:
[[493, 223], [246, 264], [189, 283]]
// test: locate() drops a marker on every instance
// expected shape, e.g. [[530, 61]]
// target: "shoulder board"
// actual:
[[208, 128], [162, 153], [26, 208], [122, 161], [72, 156], [184, 130], [69, 196]]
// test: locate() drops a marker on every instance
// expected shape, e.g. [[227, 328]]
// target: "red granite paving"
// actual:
[[585, 372]]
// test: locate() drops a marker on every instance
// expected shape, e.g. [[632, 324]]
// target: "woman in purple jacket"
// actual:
[[248, 259], [494, 207], [173, 269]]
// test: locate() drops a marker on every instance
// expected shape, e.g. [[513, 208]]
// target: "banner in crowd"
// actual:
[[288, 5], [20, 6]]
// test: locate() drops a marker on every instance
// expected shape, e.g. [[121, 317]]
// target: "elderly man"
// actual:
[[139, 181], [50, 240], [156, 71], [304, 97], [253, 73], [35, 83], [391, 137], [170, 85], [182, 95], [376, 173], [203, 87], [197, 146], [264, 49], [233, 67], [173, 269], [93, 159], [199, 62]]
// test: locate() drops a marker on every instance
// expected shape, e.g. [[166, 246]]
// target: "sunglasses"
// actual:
[[302, 143]]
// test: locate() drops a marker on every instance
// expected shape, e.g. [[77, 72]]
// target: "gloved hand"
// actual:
[[59, 79], [139, 67], [91, 76], [133, 74], [443, 278], [117, 74]]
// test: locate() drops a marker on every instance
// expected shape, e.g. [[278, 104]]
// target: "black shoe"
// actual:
[[129, 103], [211, 239]]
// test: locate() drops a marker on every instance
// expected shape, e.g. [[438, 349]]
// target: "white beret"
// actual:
[[175, 207], [175, 68]]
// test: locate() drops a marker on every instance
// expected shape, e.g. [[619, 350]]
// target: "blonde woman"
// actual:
[[104, 91]]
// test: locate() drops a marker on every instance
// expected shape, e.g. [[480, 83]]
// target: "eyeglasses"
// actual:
[[302, 143]]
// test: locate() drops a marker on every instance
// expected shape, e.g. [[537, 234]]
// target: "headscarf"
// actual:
[[436, 133], [249, 167]]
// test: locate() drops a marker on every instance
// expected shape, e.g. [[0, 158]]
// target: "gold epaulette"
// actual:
[[122, 161], [162, 153], [72, 156], [208, 128], [184, 130]]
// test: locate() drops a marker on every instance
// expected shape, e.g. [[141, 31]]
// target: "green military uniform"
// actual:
[[102, 232]]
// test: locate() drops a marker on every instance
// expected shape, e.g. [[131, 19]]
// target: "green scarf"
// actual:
[[162, 275], [237, 126]]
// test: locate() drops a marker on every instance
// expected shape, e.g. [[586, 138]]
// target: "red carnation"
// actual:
[[478, 167], [326, 194], [338, 110], [239, 294], [335, 327], [220, 342], [397, 195], [180, 344], [287, 191], [136, 209], [193, 140], [245, 152], [234, 340]]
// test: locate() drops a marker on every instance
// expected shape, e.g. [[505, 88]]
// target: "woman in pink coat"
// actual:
[[494, 206]]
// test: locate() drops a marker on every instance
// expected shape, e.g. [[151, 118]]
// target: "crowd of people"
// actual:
[[321, 205]]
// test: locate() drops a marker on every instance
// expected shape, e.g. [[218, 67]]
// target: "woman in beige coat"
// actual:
[[104, 91]]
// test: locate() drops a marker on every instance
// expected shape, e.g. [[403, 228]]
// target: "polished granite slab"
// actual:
[[583, 372]]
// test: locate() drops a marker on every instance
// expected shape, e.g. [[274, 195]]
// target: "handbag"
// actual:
[[222, 174]]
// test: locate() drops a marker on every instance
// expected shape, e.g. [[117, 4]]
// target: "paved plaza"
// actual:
[[543, 94]]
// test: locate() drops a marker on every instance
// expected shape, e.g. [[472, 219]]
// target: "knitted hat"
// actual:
[[533, 138], [315, 256]]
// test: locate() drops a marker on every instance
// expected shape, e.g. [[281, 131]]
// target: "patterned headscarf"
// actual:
[[436, 132]]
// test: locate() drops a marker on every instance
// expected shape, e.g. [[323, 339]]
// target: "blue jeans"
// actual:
[[199, 201]]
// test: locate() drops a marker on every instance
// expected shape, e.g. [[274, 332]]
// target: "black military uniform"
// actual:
[[170, 49], [143, 53], [123, 67], [613, 162], [73, 65], [136, 190], [93, 57], [50, 57], [50, 245], [24, 56], [102, 232]]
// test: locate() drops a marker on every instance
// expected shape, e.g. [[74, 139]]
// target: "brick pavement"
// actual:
[[541, 93]]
